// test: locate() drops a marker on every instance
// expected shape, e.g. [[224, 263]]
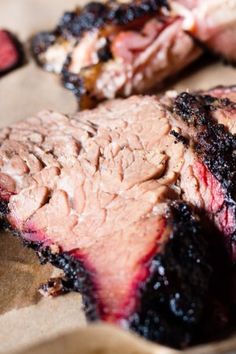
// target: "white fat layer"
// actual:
[[56, 55], [188, 22]]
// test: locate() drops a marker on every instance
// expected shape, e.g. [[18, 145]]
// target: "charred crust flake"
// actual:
[[180, 138], [82, 84], [54, 287], [41, 42], [73, 82], [172, 301], [104, 53], [77, 278], [189, 108]]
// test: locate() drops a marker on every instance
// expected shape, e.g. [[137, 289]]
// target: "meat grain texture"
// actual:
[[115, 197]]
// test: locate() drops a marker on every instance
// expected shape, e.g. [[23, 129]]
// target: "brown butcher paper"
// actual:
[[26, 319]]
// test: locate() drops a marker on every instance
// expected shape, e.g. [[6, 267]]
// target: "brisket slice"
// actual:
[[11, 54], [116, 49], [209, 122], [93, 16], [97, 195]]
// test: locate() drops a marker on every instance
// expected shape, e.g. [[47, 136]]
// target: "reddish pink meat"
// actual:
[[131, 54], [224, 215], [217, 196], [211, 124], [127, 45], [10, 56], [89, 190]]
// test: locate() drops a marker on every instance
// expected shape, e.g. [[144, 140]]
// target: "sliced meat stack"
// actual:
[[108, 196], [115, 49], [11, 54], [118, 49]]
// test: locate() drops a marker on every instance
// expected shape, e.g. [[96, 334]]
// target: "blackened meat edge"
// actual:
[[96, 15], [172, 300], [172, 303], [214, 144], [77, 277]]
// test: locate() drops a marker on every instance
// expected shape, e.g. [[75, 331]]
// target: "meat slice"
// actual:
[[100, 197], [116, 49], [95, 20], [209, 124], [11, 54], [213, 22]]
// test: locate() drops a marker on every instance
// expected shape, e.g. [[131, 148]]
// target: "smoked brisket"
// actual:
[[131, 200]]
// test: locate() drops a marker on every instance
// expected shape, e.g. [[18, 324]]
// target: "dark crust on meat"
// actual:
[[104, 54], [20, 52], [180, 138], [214, 144], [54, 287], [72, 82], [78, 84], [40, 43], [172, 301], [95, 15], [77, 277]]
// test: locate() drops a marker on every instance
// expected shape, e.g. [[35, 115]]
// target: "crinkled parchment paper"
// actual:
[[26, 318]]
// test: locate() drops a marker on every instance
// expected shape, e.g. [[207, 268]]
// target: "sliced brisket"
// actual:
[[102, 195], [116, 49], [209, 120]]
